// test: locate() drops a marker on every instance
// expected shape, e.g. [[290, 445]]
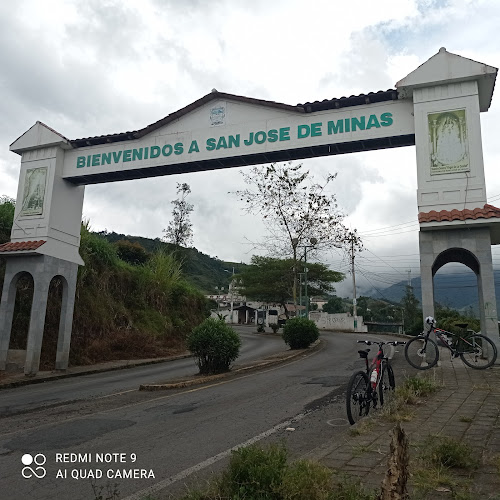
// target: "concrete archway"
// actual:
[[43, 269], [468, 246], [436, 107]]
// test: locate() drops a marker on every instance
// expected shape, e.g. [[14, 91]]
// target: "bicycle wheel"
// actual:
[[421, 353], [357, 397], [478, 351], [387, 383]]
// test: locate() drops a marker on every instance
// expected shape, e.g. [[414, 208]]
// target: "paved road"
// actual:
[[30, 397], [179, 436]]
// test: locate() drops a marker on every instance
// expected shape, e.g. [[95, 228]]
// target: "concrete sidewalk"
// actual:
[[466, 408]]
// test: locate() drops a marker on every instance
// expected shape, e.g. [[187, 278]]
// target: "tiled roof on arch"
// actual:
[[19, 246], [487, 212], [308, 107]]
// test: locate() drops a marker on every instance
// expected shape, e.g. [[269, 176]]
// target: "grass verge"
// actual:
[[443, 465], [256, 473], [410, 393]]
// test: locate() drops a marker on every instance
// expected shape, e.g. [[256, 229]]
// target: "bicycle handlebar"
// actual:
[[370, 342]]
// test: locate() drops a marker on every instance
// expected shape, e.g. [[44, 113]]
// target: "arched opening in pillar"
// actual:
[[455, 280], [24, 287], [22, 311], [52, 322]]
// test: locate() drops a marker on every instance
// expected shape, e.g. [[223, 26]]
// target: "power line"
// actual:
[[389, 227], [388, 234]]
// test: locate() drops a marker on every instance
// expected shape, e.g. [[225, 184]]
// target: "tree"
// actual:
[[412, 313], [296, 212], [180, 230], [7, 207], [334, 305], [271, 280]]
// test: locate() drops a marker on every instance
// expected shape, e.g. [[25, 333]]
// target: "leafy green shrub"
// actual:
[[300, 333], [215, 344], [254, 473], [132, 252], [260, 328]]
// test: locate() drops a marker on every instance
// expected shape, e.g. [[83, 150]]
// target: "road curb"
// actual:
[[238, 371], [56, 376]]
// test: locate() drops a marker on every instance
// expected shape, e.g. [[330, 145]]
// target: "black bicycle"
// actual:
[[475, 350], [366, 389]]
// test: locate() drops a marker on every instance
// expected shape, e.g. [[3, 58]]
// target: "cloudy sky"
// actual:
[[92, 67]]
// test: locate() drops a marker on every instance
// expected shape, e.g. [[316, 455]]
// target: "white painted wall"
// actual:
[[341, 322]]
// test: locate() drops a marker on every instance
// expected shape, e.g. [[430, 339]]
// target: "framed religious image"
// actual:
[[449, 146], [34, 191]]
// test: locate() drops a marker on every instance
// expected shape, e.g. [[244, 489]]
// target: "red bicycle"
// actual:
[[366, 389]]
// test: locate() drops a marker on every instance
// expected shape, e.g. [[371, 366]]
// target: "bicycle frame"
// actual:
[[375, 364], [364, 389], [442, 336], [477, 351]]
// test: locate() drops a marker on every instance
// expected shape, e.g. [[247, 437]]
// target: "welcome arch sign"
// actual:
[[436, 107]]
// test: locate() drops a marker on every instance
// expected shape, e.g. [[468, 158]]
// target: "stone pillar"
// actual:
[[66, 322], [37, 323], [427, 278], [7, 312], [486, 291]]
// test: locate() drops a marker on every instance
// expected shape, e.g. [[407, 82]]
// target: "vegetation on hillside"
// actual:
[[137, 306], [202, 271]]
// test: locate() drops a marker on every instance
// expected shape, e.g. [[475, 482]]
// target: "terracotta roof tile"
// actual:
[[308, 107], [18, 246], [487, 212]]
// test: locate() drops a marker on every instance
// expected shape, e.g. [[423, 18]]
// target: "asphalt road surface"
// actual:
[[152, 444], [57, 392]]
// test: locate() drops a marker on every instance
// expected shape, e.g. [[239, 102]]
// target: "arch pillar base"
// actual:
[[471, 247], [43, 269]]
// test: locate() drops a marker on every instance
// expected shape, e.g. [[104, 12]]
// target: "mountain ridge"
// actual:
[[457, 291]]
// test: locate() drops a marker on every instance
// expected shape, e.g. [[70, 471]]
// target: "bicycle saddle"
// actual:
[[364, 353], [462, 325]]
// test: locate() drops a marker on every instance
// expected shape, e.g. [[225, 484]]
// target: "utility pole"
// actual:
[[409, 277], [231, 293], [300, 288], [354, 301]]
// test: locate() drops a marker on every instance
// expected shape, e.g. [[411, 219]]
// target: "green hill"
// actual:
[[202, 271]]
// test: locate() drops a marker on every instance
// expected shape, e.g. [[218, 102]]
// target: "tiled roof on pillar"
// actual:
[[487, 212], [21, 246]]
